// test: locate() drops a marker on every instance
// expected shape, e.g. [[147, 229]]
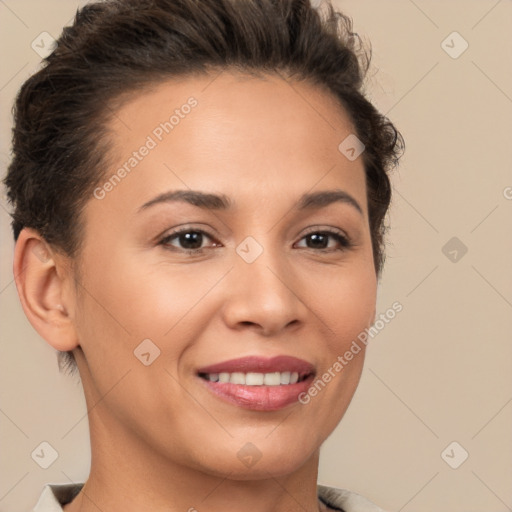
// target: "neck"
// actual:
[[128, 474]]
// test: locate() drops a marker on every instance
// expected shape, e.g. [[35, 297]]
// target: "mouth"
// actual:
[[255, 378], [259, 383]]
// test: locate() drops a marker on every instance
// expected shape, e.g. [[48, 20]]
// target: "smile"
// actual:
[[257, 383], [255, 379]]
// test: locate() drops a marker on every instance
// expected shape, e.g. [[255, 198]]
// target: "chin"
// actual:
[[251, 463]]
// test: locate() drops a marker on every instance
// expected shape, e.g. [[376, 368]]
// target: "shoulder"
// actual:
[[54, 496], [347, 501]]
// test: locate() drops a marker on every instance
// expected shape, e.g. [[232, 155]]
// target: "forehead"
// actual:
[[229, 132], [231, 90]]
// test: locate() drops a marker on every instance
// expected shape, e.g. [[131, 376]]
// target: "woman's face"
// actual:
[[264, 276]]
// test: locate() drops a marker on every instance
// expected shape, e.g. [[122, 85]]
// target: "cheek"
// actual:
[[345, 302], [168, 298], [353, 305], [125, 302], [346, 309]]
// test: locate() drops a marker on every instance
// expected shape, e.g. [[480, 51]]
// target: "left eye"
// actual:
[[320, 240]]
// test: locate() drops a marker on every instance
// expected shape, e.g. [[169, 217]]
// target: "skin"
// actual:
[[159, 439]]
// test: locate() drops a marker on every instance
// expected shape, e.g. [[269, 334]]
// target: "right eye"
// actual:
[[191, 240]]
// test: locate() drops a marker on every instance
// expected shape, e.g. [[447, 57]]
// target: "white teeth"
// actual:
[[237, 378], [255, 379], [272, 379], [224, 377]]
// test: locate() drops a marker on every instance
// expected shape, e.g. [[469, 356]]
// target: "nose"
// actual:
[[263, 295]]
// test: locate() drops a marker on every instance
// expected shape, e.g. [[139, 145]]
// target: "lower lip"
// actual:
[[259, 398]]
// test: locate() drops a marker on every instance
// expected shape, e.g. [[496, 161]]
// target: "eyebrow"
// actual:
[[312, 200]]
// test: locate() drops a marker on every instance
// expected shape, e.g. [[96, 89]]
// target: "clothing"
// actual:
[[56, 495]]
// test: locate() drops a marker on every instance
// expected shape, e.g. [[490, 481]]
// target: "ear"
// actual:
[[43, 283]]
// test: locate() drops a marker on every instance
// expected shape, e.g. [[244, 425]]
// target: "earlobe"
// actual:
[[41, 286]]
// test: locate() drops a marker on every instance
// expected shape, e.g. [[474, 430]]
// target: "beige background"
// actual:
[[441, 370]]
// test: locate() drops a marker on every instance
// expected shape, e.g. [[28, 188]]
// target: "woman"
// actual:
[[199, 192]]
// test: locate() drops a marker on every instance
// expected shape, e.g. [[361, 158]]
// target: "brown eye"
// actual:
[[187, 240], [319, 240]]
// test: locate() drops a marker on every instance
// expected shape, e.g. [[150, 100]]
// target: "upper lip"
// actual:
[[258, 364]]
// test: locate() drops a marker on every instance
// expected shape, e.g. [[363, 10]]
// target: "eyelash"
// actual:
[[343, 240]]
